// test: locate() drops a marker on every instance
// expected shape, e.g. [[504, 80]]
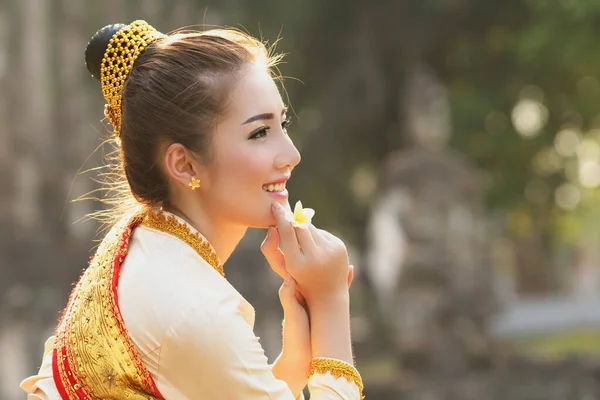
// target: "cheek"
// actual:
[[242, 192], [238, 185], [247, 168]]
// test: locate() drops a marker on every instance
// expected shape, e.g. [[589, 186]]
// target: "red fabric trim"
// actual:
[[120, 256], [60, 385], [56, 376]]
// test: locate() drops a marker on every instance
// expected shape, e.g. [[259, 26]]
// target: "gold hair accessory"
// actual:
[[123, 49], [194, 183]]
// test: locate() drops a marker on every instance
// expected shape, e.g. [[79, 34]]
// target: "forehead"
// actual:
[[255, 93]]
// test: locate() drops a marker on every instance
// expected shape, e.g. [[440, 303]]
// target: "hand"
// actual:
[[275, 258], [316, 259]]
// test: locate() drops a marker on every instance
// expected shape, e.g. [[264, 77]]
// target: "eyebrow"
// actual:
[[263, 116]]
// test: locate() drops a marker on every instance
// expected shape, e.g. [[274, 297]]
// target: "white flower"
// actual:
[[301, 217]]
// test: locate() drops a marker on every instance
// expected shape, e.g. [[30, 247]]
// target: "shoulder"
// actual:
[[172, 261]]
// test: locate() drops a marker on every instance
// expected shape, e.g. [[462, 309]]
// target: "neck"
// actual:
[[222, 236]]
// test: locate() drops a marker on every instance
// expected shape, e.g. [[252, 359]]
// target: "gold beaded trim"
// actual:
[[338, 369], [171, 225], [123, 49]]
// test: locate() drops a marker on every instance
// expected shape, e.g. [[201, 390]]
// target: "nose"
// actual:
[[288, 155]]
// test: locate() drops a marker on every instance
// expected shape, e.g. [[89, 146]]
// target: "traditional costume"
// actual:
[[153, 316]]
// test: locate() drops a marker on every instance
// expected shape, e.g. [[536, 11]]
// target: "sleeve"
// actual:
[[334, 379], [212, 352], [41, 386]]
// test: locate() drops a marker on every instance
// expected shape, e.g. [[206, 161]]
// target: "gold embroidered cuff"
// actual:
[[338, 369]]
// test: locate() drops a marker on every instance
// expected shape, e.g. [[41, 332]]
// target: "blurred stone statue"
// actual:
[[426, 256]]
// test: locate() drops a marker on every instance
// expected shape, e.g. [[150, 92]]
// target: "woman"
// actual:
[[202, 133]]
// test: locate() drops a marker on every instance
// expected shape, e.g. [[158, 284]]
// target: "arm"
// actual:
[[330, 322], [286, 370], [330, 327], [332, 349], [293, 364]]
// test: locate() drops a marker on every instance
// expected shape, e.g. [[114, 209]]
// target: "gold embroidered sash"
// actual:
[[94, 356]]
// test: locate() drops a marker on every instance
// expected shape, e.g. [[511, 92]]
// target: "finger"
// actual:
[[287, 295], [322, 235], [287, 235], [328, 236], [350, 275], [300, 297], [274, 255], [305, 240], [302, 301], [316, 234]]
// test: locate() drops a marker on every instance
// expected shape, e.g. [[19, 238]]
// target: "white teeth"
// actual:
[[274, 188]]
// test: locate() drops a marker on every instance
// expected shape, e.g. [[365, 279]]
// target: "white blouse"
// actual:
[[192, 329]]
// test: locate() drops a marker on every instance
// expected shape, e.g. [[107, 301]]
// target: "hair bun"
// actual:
[[94, 52]]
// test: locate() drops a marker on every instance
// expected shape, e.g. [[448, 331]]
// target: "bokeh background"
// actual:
[[453, 144]]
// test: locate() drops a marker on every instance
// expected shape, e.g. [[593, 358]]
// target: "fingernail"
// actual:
[[277, 207], [287, 281]]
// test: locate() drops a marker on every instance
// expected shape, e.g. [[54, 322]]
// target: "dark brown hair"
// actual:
[[175, 92]]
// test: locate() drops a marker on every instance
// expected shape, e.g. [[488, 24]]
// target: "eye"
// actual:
[[286, 123], [259, 133]]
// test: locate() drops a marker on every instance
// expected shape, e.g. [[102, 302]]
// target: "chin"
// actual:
[[263, 223], [255, 216]]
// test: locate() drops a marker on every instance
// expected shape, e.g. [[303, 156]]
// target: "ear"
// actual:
[[180, 166]]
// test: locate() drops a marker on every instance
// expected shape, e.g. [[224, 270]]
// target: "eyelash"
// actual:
[[261, 132]]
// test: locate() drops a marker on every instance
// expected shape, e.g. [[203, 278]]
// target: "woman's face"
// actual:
[[253, 154]]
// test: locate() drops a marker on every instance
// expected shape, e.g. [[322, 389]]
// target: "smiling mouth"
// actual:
[[278, 187]]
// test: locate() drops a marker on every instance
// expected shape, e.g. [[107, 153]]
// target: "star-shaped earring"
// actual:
[[194, 183]]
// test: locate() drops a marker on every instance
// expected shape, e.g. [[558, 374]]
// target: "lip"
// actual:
[[279, 195], [282, 180]]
